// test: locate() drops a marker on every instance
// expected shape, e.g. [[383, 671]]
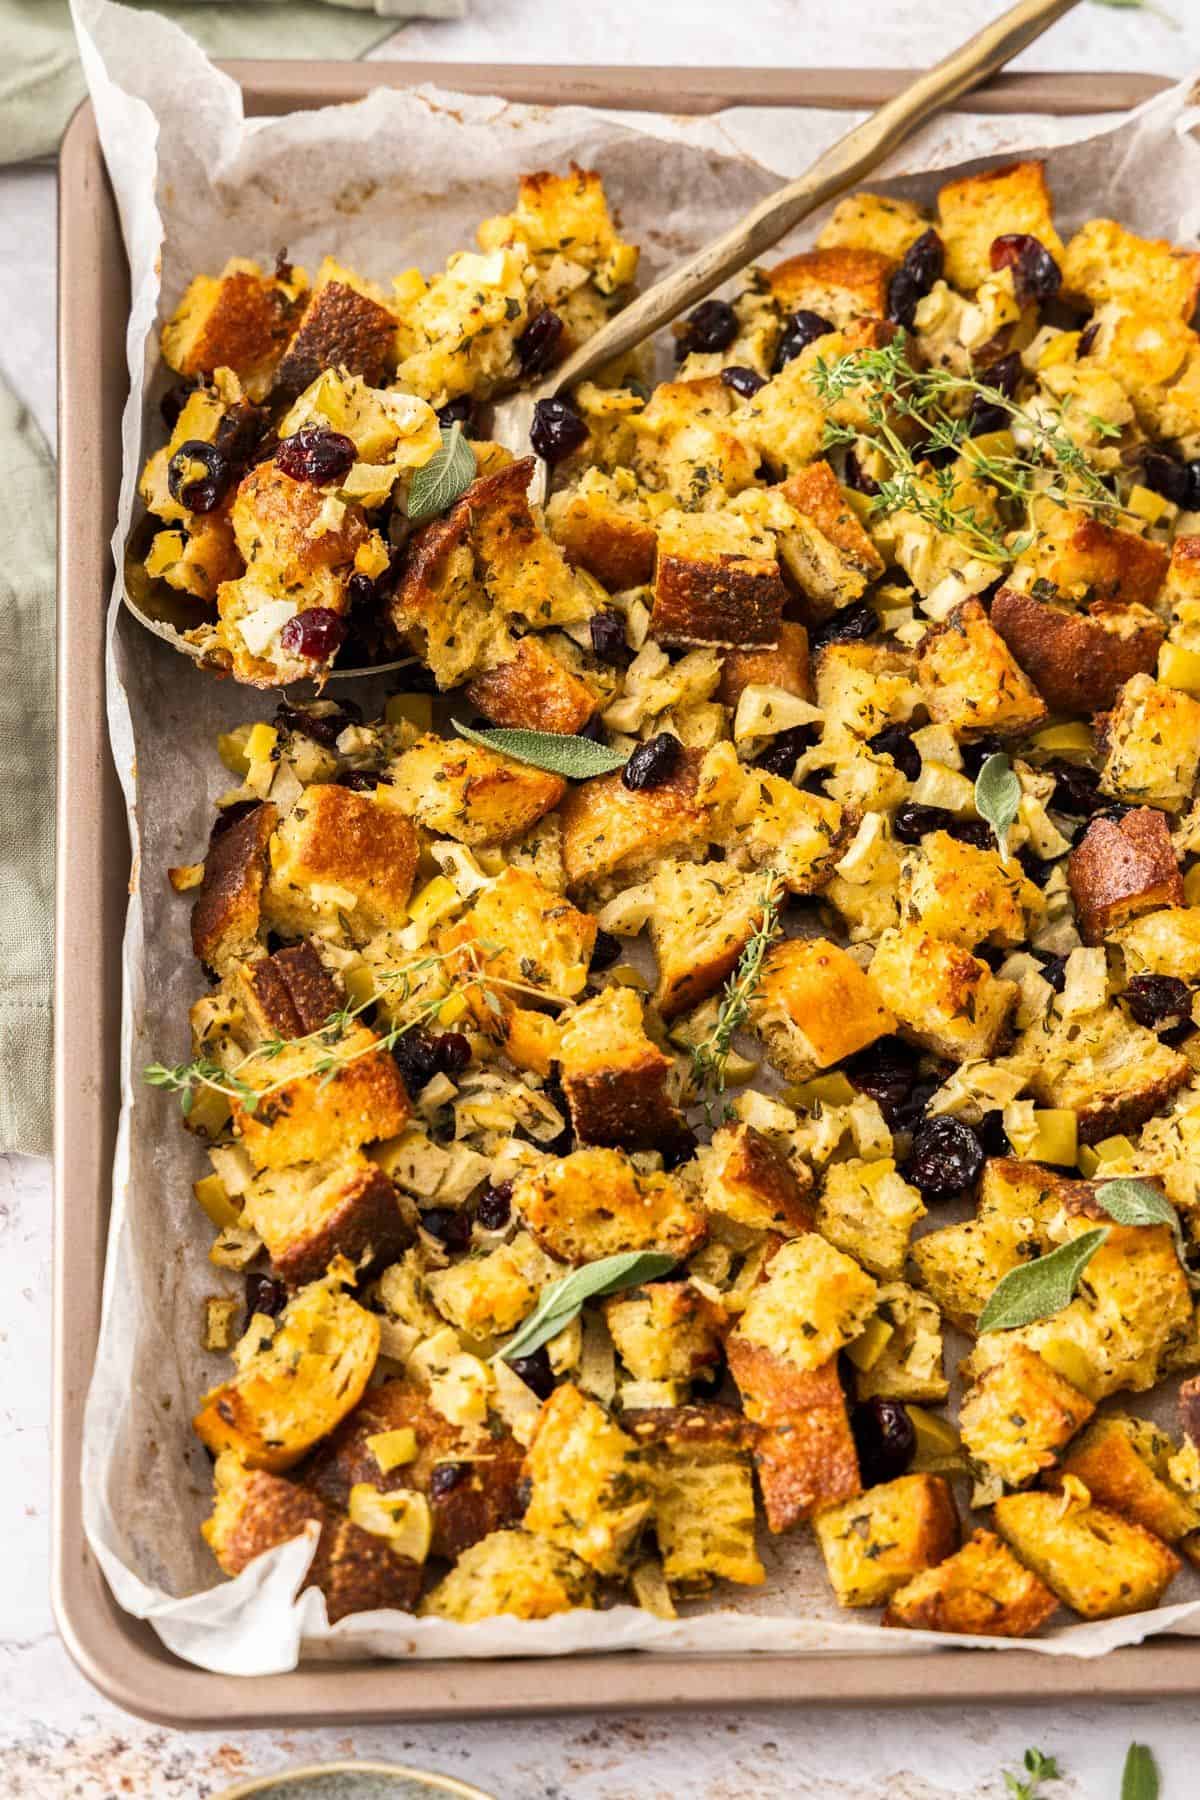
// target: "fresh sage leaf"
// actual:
[[997, 797], [1039, 1289], [574, 757], [564, 1299], [1130, 1202], [1139, 1779], [437, 484]]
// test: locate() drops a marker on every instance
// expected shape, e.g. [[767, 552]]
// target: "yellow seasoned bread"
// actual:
[[1098, 1563], [698, 1462], [981, 1591], [814, 1006], [595, 1203], [589, 1486], [876, 1543], [616, 1079], [511, 1574]]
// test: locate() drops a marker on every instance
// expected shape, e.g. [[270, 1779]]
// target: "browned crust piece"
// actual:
[[751, 1183], [534, 691], [246, 328], [803, 1447], [857, 278], [225, 917], [1077, 661], [817, 493], [617, 549], [684, 1427], [1112, 565], [1122, 867], [436, 542], [1189, 1408], [717, 599], [366, 1225], [608, 827], [292, 991], [309, 1118], [482, 1495], [340, 328], [783, 665], [628, 1107], [981, 1590]]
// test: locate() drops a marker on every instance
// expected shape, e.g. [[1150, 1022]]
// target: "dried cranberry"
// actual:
[[1166, 475], [1054, 969], [605, 951], [323, 727], [800, 329], [742, 380], [885, 1439], [449, 1225], [314, 634], [202, 494], [946, 1157], [264, 1295], [887, 1070], [1158, 1000], [535, 1371], [653, 762], [607, 629], [540, 344], [922, 266], [989, 415], [975, 754], [1036, 275], [976, 832], [558, 1146], [851, 625], [912, 821], [460, 411], [283, 268], [857, 478], [415, 1056], [993, 1136], [176, 398], [446, 1477], [678, 1149], [364, 781], [785, 749], [1076, 789], [361, 590], [240, 433], [896, 741], [317, 455], [557, 430], [493, 1209], [453, 1052], [708, 328], [1033, 867], [1193, 499]]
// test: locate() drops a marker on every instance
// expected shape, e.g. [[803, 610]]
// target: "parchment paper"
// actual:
[[393, 180]]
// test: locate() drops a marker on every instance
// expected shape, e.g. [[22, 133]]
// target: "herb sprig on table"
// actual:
[[1038, 1768]]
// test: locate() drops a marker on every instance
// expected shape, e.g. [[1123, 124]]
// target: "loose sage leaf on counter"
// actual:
[[1130, 1202], [563, 1299], [997, 797], [558, 754], [1037, 1290], [437, 484], [1139, 1779]]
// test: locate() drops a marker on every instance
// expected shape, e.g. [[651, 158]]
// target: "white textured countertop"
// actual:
[[58, 1738]]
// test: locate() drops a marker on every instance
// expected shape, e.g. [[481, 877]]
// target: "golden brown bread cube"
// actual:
[[872, 1545], [971, 680], [840, 283], [863, 687], [1151, 745], [305, 1374], [1166, 942], [1122, 867], [868, 1210], [977, 209], [253, 1511], [1092, 562], [616, 1078], [811, 1302], [705, 913], [462, 790], [943, 998], [488, 1295], [981, 1591], [346, 324], [308, 1215], [610, 830], [523, 940], [227, 914], [803, 1447], [1098, 1563], [765, 821], [1123, 1464], [312, 1113], [341, 854], [288, 994], [668, 1331], [1077, 661], [604, 525], [1104, 261], [783, 665], [744, 1180], [240, 320], [595, 1203], [814, 1006], [874, 222], [282, 529], [909, 1366], [817, 493], [533, 691], [566, 215], [716, 581], [698, 1461], [1108, 1070], [589, 1488], [959, 1265], [965, 895], [511, 1574], [1020, 1412]]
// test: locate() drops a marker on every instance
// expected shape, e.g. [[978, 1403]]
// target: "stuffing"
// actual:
[[605, 523], [813, 1300], [944, 999], [1164, 942], [704, 914], [876, 1543], [716, 581], [314, 1099], [982, 1591], [965, 895], [1120, 868], [1019, 1413], [669, 1331], [862, 688], [347, 324], [1089, 562], [1150, 742], [1124, 1464], [616, 1079], [783, 665], [871, 222], [589, 1486], [306, 1216], [1108, 1070], [698, 1462], [869, 1210], [689, 442], [831, 581], [240, 320], [511, 1574], [747, 1183], [1098, 1563], [227, 914], [907, 1364], [340, 857], [488, 1296], [971, 681], [534, 690], [596, 1203], [804, 1450], [613, 834], [1077, 661], [566, 217], [840, 282], [977, 209], [1104, 261], [763, 820], [464, 791], [288, 994], [814, 1006]]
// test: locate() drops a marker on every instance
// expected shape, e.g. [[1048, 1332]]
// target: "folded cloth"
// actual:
[[27, 815], [41, 82]]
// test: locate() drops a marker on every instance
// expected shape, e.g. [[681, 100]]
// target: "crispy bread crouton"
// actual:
[[488, 1296], [1077, 661], [699, 1465], [1098, 1563], [813, 1300], [716, 581], [1104, 261], [746, 1182], [872, 1545], [873, 222], [604, 525], [784, 421], [869, 1210], [977, 209], [341, 854], [981, 1591], [863, 687], [239, 320], [288, 994], [1019, 1413], [308, 1215], [227, 914], [803, 1446], [595, 1203], [616, 1078], [784, 665], [566, 215], [313, 1113], [817, 493], [462, 790], [346, 324], [943, 998], [668, 1331], [534, 691], [965, 895], [1122, 867], [511, 1574], [689, 443], [282, 528], [1166, 942], [1123, 1464], [589, 1487], [1091, 562], [458, 334], [1108, 1070], [840, 283], [1151, 745], [705, 914], [814, 1006], [959, 1265], [909, 1365], [972, 682], [612, 831], [523, 936], [763, 820]]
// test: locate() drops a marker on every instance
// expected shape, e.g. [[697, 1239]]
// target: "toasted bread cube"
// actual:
[[959, 1265], [1151, 745], [308, 1215], [461, 790], [746, 1182], [488, 1296], [1108, 1070], [1163, 943], [909, 1365], [863, 687], [1104, 261], [1123, 1464], [977, 209], [980, 1591], [534, 691], [784, 421], [458, 335], [943, 998], [227, 914], [699, 1464], [705, 913], [615, 1077], [874, 1544], [239, 320], [589, 1487], [307, 1112], [1019, 1413], [253, 1511], [283, 529], [803, 1446], [522, 935], [347, 324], [605, 525], [840, 283], [815, 1006], [688, 443], [1089, 561], [814, 1300], [340, 854], [668, 1331], [1077, 661], [288, 994], [873, 222], [965, 895], [612, 831], [1122, 867], [763, 820], [784, 665], [716, 581], [595, 1203], [817, 494], [869, 1210], [483, 1498], [972, 682], [511, 1574], [1098, 1563], [298, 1383], [566, 215]]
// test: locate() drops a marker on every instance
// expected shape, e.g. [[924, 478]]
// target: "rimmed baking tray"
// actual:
[[122, 1656]]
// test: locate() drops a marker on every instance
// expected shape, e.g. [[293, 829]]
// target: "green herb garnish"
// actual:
[[1139, 1778], [437, 484], [564, 1299], [1038, 1768], [711, 1054], [1038, 1290], [998, 797], [1130, 1202], [559, 754]]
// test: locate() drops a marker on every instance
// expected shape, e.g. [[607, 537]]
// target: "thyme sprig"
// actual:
[[710, 1056]]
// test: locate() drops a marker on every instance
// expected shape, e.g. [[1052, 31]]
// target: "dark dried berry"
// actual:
[[678, 1149], [460, 411], [912, 821], [449, 1225], [446, 1477], [264, 1295], [922, 266], [557, 430], [857, 478], [316, 455], [989, 415], [938, 456], [993, 1136], [1167, 476], [887, 1070], [540, 344], [314, 634], [535, 1371], [553, 1091], [708, 328], [176, 398], [946, 1157], [605, 951], [364, 781], [1158, 1000], [800, 329], [323, 727], [653, 762], [594, 729], [416, 1058], [361, 590], [1193, 499], [1033, 866], [493, 1209], [1076, 789], [453, 1052], [240, 433], [896, 741], [785, 749], [851, 625], [1054, 969], [706, 1383], [198, 493], [885, 1439], [607, 629], [1036, 275], [975, 754], [742, 380]]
